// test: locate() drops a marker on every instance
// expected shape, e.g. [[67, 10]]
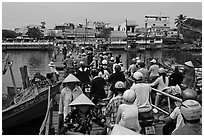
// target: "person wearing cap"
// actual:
[[176, 113], [54, 74], [191, 112], [174, 120], [83, 73], [189, 75], [142, 91], [105, 57], [80, 120], [97, 87], [153, 70], [133, 68], [103, 72], [127, 115], [112, 107], [110, 64], [115, 77], [94, 63], [118, 62], [70, 92], [162, 81]]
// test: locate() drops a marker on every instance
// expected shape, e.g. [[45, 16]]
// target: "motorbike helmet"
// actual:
[[117, 68], [191, 110], [104, 62], [138, 76], [119, 85], [129, 96], [112, 59], [189, 94]]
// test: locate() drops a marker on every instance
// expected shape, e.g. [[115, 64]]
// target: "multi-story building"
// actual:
[[157, 25]]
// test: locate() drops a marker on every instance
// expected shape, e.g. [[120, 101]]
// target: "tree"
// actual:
[[9, 34], [34, 33], [179, 21]]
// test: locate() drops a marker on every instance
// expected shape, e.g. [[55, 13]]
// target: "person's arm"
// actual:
[[166, 120], [118, 117], [61, 104], [108, 109], [171, 117], [156, 82]]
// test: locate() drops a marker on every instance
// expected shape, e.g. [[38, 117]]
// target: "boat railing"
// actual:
[[169, 96], [45, 127]]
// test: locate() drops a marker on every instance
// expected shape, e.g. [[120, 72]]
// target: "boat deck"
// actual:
[[96, 128]]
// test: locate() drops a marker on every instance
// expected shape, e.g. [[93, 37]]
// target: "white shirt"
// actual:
[[160, 82], [66, 97], [176, 115], [129, 117], [142, 92], [154, 70]]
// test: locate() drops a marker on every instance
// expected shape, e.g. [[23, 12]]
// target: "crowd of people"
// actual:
[[130, 93]]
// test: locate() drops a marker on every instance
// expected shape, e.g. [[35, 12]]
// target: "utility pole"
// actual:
[[85, 31], [126, 33]]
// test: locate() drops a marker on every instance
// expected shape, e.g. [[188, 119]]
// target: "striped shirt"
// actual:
[[112, 108]]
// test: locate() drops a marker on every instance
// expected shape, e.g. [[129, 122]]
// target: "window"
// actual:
[[128, 28]]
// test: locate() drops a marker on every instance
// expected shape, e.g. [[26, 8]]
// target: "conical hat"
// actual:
[[81, 100], [70, 78], [189, 63]]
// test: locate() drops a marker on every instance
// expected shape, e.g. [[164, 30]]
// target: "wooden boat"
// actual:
[[170, 65], [30, 105]]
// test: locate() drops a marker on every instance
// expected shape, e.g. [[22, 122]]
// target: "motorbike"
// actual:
[[86, 88], [146, 120]]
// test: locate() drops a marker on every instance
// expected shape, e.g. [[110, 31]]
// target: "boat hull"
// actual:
[[29, 111]]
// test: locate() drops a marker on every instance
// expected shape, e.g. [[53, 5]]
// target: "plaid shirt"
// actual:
[[75, 123], [112, 108]]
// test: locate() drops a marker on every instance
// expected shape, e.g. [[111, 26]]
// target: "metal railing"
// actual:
[[169, 96]]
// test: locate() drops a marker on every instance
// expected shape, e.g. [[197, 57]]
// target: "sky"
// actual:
[[18, 14]]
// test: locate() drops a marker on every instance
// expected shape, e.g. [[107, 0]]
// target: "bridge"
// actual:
[[27, 45]]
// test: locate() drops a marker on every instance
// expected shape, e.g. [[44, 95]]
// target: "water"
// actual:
[[38, 60], [35, 60]]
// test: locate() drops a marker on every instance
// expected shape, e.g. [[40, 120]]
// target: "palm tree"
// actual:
[[43, 24], [178, 21]]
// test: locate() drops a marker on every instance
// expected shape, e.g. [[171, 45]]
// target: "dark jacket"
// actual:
[[97, 88], [115, 77]]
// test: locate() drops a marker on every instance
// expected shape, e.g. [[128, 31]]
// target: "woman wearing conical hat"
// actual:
[[80, 120], [70, 92], [189, 75]]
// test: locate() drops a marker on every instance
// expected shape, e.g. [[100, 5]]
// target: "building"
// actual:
[[157, 25], [129, 27]]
